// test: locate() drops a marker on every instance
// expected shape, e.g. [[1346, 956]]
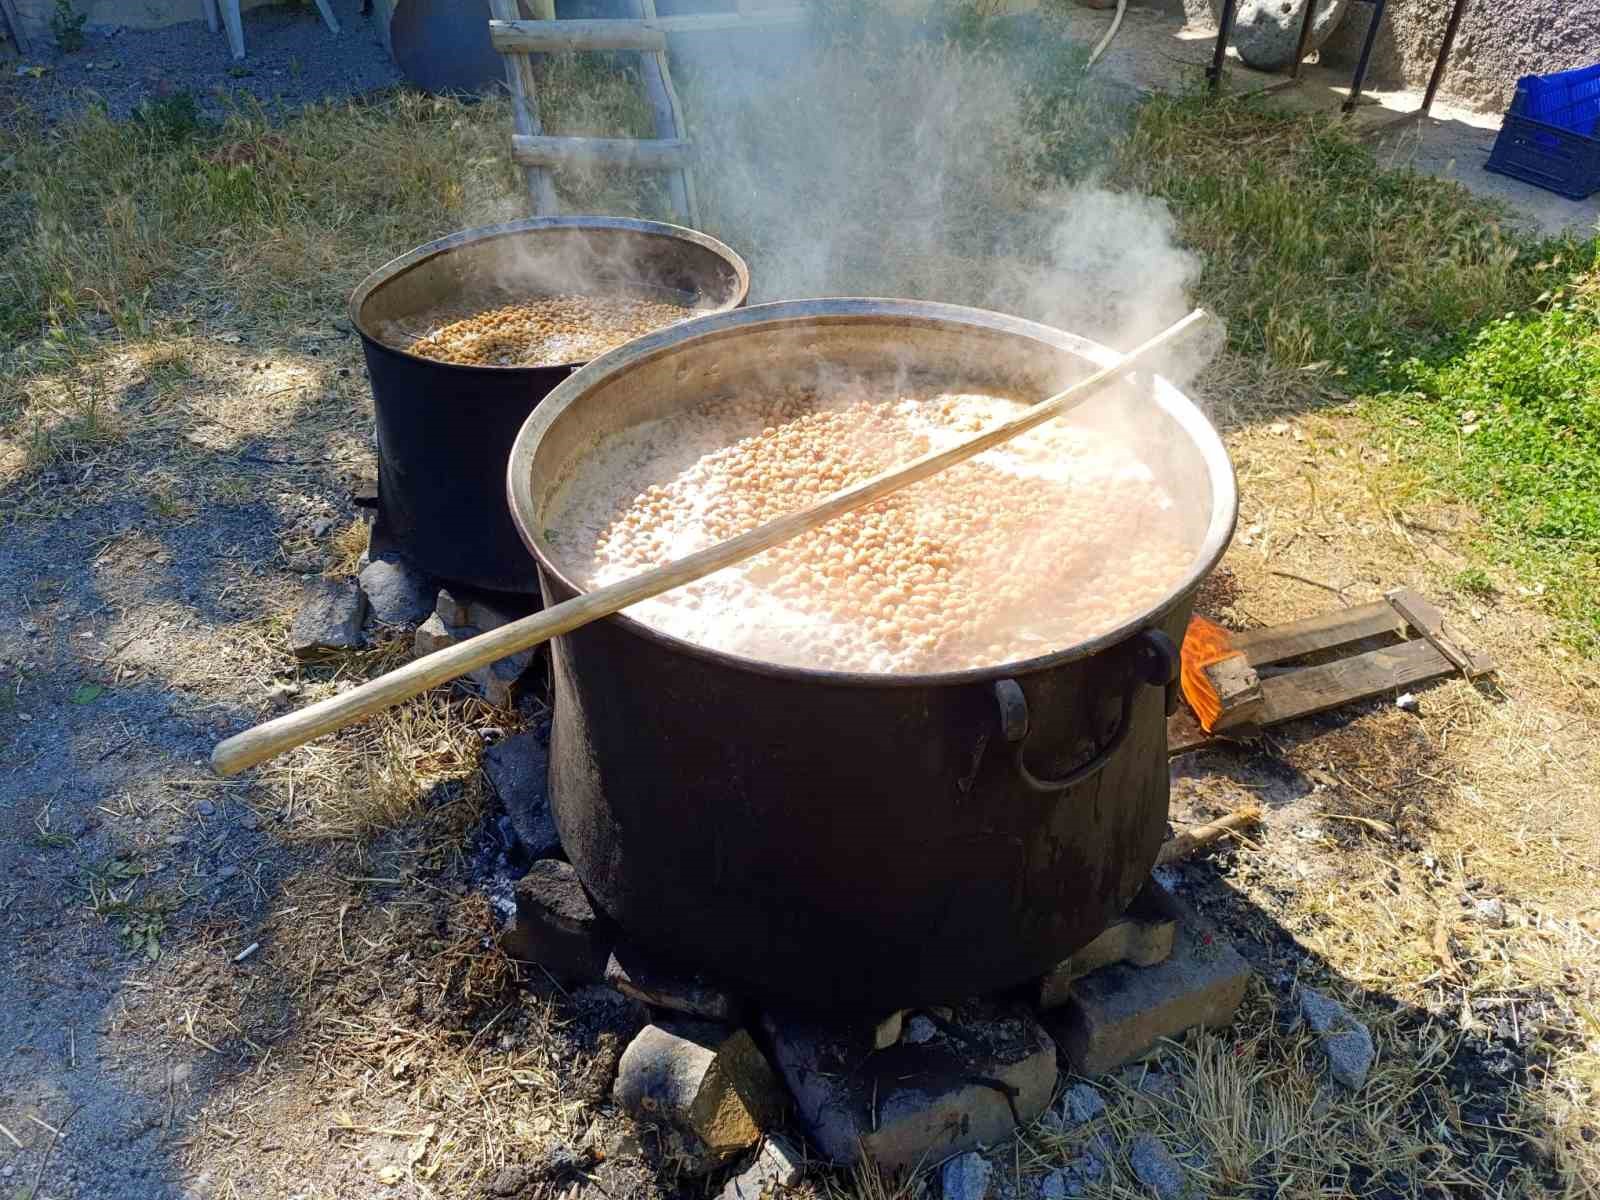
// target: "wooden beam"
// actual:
[[1429, 622], [1312, 690], [660, 154], [555, 37], [525, 115], [1326, 631], [656, 76], [1238, 690]]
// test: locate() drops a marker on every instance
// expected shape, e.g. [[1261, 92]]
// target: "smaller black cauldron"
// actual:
[[445, 430]]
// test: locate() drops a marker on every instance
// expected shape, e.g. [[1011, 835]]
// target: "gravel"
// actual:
[[291, 59]]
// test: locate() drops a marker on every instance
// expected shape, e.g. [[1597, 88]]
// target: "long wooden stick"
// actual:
[[273, 737]]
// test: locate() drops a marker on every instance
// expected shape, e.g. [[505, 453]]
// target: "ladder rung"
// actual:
[[553, 37], [658, 154]]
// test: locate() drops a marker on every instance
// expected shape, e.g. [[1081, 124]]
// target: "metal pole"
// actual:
[[1224, 31], [1360, 76], [1305, 37], [1444, 55]]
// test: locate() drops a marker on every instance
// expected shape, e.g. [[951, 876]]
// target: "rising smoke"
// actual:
[[875, 157]]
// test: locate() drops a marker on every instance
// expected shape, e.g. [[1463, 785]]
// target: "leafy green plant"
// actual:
[[173, 119], [67, 25], [1474, 581]]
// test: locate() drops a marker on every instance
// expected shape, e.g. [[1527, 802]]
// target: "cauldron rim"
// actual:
[[1177, 405], [398, 266]]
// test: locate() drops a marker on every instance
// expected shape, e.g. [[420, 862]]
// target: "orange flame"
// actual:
[[1204, 642]]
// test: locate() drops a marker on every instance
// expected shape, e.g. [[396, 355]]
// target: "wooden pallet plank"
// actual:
[[1325, 631], [1310, 690], [660, 154], [555, 37], [1429, 622], [525, 115]]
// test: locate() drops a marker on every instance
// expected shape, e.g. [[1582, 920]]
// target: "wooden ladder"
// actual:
[[669, 150]]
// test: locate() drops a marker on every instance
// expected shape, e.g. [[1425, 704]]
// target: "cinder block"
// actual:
[[1118, 1013], [708, 1082], [1141, 937], [556, 927], [972, 1084]]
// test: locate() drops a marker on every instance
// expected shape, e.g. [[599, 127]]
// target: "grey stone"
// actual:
[[433, 634], [486, 615], [1350, 1055], [707, 1082], [1082, 1103], [1118, 1013], [1345, 1041], [398, 593], [1153, 1165], [330, 618], [450, 610], [1491, 911], [517, 768], [778, 1164], [205, 808], [555, 926], [1142, 936], [965, 1177], [634, 972], [498, 682], [914, 1103], [1265, 32], [919, 1030]]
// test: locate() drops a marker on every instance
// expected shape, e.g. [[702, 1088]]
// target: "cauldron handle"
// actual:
[[1157, 666]]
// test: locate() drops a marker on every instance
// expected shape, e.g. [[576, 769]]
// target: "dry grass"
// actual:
[[167, 313]]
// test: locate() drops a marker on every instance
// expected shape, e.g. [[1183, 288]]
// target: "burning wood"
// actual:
[[1218, 681]]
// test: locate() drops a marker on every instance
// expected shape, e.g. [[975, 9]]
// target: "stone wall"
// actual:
[[1497, 45], [1500, 41], [134, 14]]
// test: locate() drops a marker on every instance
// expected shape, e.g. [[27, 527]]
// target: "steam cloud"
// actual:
[[888, 164]]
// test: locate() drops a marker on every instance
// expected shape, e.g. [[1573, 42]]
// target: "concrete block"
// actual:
[[915, 1102], [1142, 936], [778, 1164], [636, 973], [556, 927], [1118, 1013], [708, 1082]]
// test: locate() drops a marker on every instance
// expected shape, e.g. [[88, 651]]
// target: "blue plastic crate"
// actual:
[[1549, 137]]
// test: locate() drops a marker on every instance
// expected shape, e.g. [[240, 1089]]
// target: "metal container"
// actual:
[[445, 430], [849, 841]]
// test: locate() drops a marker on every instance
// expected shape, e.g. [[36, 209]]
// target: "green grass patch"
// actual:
[[1475, 345], [1511, 422], [1313, 251]]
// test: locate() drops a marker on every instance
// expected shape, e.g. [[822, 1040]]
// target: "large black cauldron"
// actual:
[[847, 841], [445, 430]]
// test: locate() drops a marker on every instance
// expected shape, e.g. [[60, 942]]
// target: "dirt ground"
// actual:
[[373, 1044], [285, 985]]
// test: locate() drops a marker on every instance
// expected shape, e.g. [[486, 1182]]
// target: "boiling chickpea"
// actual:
[[543, 331], [1051, 540]]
